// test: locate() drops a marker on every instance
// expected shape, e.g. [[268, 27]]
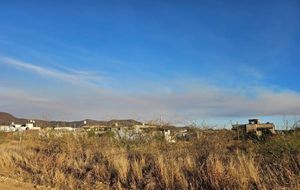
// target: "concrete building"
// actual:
[[254, 129], [20, 127], [7, 128]]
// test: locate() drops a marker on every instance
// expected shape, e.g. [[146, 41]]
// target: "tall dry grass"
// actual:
[[214, 161]]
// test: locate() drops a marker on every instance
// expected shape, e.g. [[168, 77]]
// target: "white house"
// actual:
[[18, 127], [6, 128], [64, 129]]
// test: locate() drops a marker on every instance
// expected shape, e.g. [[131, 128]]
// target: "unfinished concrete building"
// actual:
[[254, 129]]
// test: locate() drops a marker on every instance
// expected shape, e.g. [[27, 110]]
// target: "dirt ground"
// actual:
[[13, 187], [7, 183], [11, 184]]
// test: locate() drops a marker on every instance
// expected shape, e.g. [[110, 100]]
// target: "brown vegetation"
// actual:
[[213, 161]]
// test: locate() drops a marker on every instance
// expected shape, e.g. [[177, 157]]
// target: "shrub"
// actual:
[[79, 160]]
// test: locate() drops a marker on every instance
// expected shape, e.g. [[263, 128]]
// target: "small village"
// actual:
[[119, 131], [14, 127], [253, 129]]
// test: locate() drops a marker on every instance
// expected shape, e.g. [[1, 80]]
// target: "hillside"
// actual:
[[7, 118]]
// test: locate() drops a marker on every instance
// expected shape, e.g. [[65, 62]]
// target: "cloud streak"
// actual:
[[71, 76], [192, 104], [185, 101]]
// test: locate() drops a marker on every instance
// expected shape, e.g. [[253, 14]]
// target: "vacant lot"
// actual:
[[212, 161]]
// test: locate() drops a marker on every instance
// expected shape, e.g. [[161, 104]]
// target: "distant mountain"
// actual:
[[6, 116], [6, 119]]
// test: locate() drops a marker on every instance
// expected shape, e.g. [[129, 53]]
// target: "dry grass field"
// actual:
[[215, 160]]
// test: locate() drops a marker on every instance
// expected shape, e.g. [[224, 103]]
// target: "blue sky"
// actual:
[[180, 61]]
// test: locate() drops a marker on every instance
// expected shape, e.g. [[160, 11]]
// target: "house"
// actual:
[[254, 129], [6, 128], [30, 125]]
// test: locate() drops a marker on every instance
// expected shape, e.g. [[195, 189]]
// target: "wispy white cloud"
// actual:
[[27, 104], [189, 104], [187, 100], [17, 95], [68, 75]]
